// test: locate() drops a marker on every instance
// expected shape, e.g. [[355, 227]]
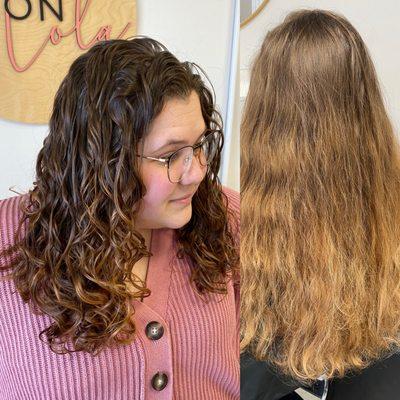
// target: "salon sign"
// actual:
[[39, 39]]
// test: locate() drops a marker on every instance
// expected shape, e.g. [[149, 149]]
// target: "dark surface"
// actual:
[[292, 396], [259, 382], [380, 381]]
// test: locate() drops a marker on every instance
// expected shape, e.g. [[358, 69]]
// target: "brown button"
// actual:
[[159, 381], [154, 330]]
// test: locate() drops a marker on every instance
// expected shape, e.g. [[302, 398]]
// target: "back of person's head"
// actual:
[[320, 184]]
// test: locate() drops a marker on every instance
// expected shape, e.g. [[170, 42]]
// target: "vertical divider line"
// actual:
[[228, 117]]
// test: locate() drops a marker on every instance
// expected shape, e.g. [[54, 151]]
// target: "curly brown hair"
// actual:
[[79, 246], [320, 186]]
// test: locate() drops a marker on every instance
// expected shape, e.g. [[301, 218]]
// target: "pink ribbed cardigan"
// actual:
[[198, 351]]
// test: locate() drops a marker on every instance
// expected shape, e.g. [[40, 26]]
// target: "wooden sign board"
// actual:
[[39, 41]]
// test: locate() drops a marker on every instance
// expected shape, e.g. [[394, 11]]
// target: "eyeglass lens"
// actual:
[[181, 161]]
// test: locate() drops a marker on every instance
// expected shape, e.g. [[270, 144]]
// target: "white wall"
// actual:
[[376, 21], [199, 31]]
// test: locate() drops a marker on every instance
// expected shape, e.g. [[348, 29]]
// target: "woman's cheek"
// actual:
[[159, 191], [158, 186]]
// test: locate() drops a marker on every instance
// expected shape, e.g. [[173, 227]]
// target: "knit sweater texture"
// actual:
[[198, 351]]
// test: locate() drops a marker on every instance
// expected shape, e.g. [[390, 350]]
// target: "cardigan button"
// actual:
[[159, 381], [154, 330]]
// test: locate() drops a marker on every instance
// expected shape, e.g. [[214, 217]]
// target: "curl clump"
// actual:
[[76, 242]]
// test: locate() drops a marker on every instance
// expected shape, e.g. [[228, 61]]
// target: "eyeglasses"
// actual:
[[180, 161]]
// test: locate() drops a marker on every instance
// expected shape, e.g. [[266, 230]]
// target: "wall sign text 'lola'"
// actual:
[[55, 35]]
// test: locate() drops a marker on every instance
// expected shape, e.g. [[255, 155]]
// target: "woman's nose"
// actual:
[[196, 172]]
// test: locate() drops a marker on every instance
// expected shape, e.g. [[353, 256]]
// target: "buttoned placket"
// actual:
[[150, 315]]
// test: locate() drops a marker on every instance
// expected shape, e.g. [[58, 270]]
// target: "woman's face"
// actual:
[[166, 204]]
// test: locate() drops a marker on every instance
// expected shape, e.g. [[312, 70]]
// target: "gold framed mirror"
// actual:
[[249, 9]]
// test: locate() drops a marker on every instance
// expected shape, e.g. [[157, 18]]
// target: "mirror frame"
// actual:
[[254, 14]]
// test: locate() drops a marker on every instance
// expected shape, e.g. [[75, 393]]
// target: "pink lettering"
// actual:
[[55, 36]]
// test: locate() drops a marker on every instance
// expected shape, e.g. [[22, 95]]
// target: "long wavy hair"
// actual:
[[76, 245], [320, 187]]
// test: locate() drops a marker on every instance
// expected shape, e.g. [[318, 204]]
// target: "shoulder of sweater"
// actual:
[[233, 199], [10, 216], [234, 207], [10, 211], [234, 217]]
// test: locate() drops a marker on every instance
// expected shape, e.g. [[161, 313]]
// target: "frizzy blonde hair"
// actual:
[[320, 203]]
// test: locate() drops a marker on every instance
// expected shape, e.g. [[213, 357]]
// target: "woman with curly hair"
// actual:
[[320, 186], [119, 266]]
